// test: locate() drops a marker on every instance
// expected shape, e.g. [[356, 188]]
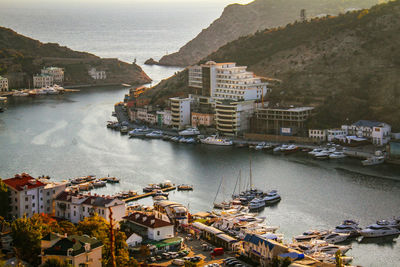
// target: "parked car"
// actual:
[[165, 256], [228, 259], [173, 255], [217, 252], [178, 262], [158, 258], [195, 259], [152, 259]]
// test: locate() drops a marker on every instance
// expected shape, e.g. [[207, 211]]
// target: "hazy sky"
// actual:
[[63, 3]]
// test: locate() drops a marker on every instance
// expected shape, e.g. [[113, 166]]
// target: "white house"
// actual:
[[381, 134], [134, 240], [42, 80], [97, 74], [317, 135], [75, 207], [176, 212], [55, 72], [149, 226], [180, 112], [333, 134], [29, 195], [226, 81]]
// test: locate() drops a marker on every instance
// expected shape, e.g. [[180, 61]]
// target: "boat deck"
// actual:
[[140, 196]]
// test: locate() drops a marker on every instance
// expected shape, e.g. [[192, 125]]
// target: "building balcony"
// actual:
[[175, 109]]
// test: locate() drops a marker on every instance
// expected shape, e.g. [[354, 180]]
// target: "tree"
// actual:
[[338, 257], [4, 199], [26, 234], [54, 262]]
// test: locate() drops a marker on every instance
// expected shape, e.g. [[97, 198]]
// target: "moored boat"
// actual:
[[214, 140], [373, 161], [185, 187]]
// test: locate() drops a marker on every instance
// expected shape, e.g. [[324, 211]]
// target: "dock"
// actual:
[[140, 196]]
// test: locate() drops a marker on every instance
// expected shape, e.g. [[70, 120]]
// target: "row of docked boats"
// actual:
[[49, 90], [86, 183], [327, 153]]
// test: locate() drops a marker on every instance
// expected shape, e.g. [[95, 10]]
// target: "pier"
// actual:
[[144, 195]]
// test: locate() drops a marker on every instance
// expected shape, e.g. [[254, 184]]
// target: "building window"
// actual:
[[48, 193], [158, 232], [33, 196], [83, 208], [74, 213], [26, 198], [26, 207], [33, 204]]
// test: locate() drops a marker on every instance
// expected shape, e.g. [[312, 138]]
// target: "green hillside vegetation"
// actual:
[[21, 57], [348, 67], [241, 20]]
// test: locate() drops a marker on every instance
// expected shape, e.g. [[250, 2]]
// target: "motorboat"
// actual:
[[189, 132], [155, 134], [85, 186], [256, 204], [324, 154], [214, 140], [271, 198], [334, 238], [280, 148], [151, 188], [185, 187], [158, 192], [124, 129], [311, 234], [348, 227], [289, 149], [99, 183], [330, 249], [20, 93], [378, 230], [191, 140], [139, 132], [337, 155], [112, 180], [392, 223], [159, 198], [260, 146], [315, 151], [373, 161], [223, 205], [126, 194]]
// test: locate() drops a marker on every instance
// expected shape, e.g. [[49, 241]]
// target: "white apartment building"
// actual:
[[177, 213], [56, 73], [180, 112], [317, 135], [226, 81], [335, 134], [378, 132], [42, 80], [233, 117], [97, 74], [75, 207], [3, 84], [29, 195]]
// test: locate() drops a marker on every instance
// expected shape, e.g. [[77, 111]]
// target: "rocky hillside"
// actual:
[[241, 20], [21, 57], [348, 67]]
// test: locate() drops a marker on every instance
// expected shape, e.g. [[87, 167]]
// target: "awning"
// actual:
[[199, 225], [227, 238]]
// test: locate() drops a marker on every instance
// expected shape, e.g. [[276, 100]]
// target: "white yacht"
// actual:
[[256, 204], [139, 132], [373, 161], [337, 155], [348, 226], [260, 146], [331, 249], [155, 134], [315, 151], [336, 237], [280, 148], [189, 132], [378, 230], [214, 140], [311, 234], [271, 197]]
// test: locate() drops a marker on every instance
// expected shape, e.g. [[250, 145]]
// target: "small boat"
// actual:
[[330, 249], [124, 129], [155, 134], [85, 186], [271, 198], [189, 132], [139, 132], [214, 140], [151, 188], [112, 180], [373, 161], [256, 204], [159, 198], [279, 148], [379, 230], [337, 155], [289, 149], [324, 154], [336, 237], [126, 194], [185, 187], [315, 151], [99, 183], [158, 192], [260, 146], [311, 234]]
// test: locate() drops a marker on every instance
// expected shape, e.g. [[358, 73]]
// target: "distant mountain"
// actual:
[[21, 57], [241, 20], [348, 66]]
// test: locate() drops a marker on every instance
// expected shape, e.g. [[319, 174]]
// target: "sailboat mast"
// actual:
[[218, 189], [251, 178], [240, 181]]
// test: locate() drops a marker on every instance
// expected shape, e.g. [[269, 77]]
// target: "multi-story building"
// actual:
[[97, 74], [226, 81], [317, 135], [149, 226], [283, 121], [3, 84], [180, 112], [29, 195], [337, 134], [377, 132], [75, 250], [206, 119], [56, 73], [203, 111], [232, 118], [177, 213], [164, 117], [75, 207], [42, 80]]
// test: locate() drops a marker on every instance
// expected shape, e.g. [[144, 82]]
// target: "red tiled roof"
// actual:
[[147, 220], [20, 181]]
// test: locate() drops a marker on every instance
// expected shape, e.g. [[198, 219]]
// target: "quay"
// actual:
[[137, 197]]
